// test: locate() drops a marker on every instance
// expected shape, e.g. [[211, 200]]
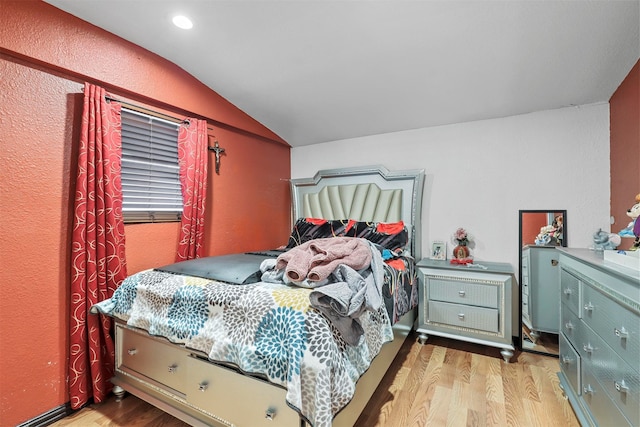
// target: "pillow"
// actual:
[[389, 235], [306, 229]]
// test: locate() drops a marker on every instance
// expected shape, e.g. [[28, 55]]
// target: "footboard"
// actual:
[[184, 384]]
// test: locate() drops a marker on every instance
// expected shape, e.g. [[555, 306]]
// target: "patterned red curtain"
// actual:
[[98, 256], [192, 157]]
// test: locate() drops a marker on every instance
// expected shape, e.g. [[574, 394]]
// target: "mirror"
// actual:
[[541, 231]]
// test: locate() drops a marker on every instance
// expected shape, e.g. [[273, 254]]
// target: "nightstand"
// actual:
[[466, 303]]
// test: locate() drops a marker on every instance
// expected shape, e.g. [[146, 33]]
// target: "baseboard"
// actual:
[[49, 417]]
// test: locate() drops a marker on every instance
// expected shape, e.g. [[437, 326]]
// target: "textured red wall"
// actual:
[[625, 150], [45, 56]]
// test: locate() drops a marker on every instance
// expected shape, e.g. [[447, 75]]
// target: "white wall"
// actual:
[[479, 174]]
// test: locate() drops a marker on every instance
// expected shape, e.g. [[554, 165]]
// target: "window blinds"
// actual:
[[150, 171]]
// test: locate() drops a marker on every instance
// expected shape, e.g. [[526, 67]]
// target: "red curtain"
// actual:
[[98, 255], [192, 157]]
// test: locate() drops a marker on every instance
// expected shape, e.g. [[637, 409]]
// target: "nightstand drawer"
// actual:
[[619, 327], [455, 291], [222, 392], [570, 291], [466, 316], [152, 358]]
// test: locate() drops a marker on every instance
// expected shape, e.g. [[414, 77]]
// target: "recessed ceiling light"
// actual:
[[182, 22]]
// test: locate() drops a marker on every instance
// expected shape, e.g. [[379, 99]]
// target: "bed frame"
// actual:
[[174, 378]]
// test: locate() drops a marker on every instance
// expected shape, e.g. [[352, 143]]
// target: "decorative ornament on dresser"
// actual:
[[633, 229], [461, 252]]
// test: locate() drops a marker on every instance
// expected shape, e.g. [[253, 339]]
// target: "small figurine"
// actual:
[[605, 241]]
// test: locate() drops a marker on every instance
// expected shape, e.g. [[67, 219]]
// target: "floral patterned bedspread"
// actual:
[[262, 328]]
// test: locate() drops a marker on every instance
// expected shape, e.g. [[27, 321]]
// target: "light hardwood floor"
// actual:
[[441, 383]]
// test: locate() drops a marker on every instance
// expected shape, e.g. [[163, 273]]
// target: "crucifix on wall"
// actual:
[[218, 150]]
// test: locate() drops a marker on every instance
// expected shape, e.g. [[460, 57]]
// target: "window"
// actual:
[[150, 171]]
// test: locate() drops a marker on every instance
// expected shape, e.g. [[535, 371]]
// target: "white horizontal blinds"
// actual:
[[150, 172]]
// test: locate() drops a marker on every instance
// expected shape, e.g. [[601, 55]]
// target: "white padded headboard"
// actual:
[[369, 193]]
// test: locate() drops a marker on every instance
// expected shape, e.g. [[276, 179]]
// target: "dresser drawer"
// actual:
[[615, 376], [619, 327], [570, 291], [152, 358], [236, 399], [460, 292], [569, 325], [599, 402], [466, 316], [570, 363]]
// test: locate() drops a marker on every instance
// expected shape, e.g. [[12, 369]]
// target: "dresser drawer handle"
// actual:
[[270, 414], [567, 291], [621, 333], [588, 389], [132, 351], [588, 348], [568, 326], [203, 386], [621, 386], [461, 316], [588, 306], [567, 360], [173, 368], [462, 293]]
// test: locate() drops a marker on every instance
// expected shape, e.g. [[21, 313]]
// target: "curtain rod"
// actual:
[[178, 120]]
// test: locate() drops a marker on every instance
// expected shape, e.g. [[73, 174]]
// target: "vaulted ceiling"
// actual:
[[317, 71]]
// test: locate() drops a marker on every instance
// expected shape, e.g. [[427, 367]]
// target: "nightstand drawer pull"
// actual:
[[173, 368], [621, 386], [462, 293], [461, 316], [621, 333], [203, 386], [132, 351]]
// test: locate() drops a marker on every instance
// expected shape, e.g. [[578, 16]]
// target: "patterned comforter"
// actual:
[[268, 329]]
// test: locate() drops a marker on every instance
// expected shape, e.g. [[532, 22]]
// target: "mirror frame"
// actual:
[[520, 246]]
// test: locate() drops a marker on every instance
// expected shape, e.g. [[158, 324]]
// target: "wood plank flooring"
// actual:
[[441, 383]]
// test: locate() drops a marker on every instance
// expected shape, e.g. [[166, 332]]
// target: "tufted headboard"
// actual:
[[368, 193]]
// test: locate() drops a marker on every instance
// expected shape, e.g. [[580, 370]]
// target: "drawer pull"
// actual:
[[588, 389], [132, 351], [588, 306], [568, 326], [203, 386], [462, 293], [588, 348], [621, 333], [567, 291], [567, 360], [173, 368], [461, 316], [621, 386], [270, 414]]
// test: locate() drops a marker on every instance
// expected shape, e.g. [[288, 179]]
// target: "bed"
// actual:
[[297, 342]]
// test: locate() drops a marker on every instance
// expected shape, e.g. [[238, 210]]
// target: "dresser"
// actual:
[[599, 339], [466, 303], [540, 289]]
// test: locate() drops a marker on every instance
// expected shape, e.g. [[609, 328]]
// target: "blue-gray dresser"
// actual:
[[599, 338]]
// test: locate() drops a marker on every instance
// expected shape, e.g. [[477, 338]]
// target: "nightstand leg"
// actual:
[[506, 355]]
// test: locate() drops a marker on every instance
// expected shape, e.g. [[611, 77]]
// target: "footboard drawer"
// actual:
[[235, 399], [162, 363]]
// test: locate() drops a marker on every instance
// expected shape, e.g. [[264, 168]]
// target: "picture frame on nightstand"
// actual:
[[438, 250]]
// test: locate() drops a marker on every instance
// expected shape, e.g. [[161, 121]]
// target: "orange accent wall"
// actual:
[[624, 110], [45, 56]]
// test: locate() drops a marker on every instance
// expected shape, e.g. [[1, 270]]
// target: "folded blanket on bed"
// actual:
[[316, 259]]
